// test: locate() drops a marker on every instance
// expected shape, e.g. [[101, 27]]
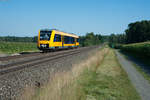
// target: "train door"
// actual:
[[75, 40], [62, 38]]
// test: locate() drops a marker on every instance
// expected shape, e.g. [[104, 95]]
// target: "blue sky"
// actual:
[[26, 17]]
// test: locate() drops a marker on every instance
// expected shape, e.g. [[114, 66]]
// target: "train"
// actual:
[[52, 39]]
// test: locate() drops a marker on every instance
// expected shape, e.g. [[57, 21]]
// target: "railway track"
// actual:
[[18, 56], [26, 55], [40, 59], [39, 56]]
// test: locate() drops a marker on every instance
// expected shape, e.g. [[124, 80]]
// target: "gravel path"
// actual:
[[3, 55], [141, 84]]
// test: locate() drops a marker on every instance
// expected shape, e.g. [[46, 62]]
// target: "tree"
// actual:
[[138, 32], [18, 39], [90, 39]]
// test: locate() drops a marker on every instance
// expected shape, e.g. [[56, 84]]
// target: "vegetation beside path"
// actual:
[[140, 49], [100, 77], [141, 53]]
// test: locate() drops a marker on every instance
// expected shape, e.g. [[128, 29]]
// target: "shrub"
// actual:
[[141, 49]]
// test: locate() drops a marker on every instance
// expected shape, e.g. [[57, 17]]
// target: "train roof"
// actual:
[[62, 33]]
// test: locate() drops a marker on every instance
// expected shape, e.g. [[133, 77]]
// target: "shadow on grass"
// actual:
[[142, 62]]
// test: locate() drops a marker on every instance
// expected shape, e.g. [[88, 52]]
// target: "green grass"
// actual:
[[108, 82], [100, 77], [16, 47]]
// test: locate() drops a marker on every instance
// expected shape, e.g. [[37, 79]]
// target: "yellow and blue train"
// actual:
[[54, 39]]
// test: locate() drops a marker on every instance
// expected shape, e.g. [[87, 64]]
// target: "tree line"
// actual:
[[136, 32], [18, 39], [87, 40], [91, 39]]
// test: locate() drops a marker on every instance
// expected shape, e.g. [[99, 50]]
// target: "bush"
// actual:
[[141, 49], [116, 46]]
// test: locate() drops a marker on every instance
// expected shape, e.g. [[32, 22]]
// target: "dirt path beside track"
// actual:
[[140, 83]]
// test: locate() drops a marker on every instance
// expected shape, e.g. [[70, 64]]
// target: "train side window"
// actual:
[[72, 40], [66, 39], [69, 40], [77, 39], [57, 38]]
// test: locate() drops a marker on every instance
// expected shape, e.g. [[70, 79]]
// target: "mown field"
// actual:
[[100, 77], [16, 47]]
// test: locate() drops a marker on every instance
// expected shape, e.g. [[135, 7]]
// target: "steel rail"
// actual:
[[18, 66]]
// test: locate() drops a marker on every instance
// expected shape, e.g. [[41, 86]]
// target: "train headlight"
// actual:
[[43, 45]]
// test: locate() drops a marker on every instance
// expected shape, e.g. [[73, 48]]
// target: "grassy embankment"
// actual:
[[100, 77], [16, 47], [141, 51]]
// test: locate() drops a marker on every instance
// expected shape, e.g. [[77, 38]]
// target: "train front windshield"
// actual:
[[45, 35]]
